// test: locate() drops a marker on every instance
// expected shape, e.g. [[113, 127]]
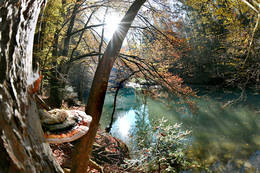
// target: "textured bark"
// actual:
[[22, 146], [99, 86]]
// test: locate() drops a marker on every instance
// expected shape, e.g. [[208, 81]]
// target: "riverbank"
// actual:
[[108, 153]]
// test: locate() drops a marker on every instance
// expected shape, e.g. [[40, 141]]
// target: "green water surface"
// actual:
[[223, 139]]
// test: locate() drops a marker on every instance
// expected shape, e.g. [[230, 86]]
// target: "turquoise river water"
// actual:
[[226, 140]]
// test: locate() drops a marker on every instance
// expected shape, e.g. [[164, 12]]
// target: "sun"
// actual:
[[112, 22]]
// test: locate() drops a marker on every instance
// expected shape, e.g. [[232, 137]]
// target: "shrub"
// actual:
[[166, 152]]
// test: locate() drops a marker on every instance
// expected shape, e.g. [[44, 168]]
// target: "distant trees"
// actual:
[[203, 43], [224, 41], [59, 42], [65, 43]]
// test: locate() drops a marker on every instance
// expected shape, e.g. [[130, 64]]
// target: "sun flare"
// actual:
[[112, 22]]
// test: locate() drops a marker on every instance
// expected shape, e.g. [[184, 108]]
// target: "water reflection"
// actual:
[[124, 127], [123, 124], [227, 139]]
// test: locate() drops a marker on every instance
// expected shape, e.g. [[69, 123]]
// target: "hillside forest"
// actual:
[[129, 86]]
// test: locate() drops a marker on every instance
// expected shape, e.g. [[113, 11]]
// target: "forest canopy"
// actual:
[[200, 42]]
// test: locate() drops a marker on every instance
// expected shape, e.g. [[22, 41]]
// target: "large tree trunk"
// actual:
[[22, 146], [99, 87]]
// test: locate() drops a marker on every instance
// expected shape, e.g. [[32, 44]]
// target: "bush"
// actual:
[[167, 150]]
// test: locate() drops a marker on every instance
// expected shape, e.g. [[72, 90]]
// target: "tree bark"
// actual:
[[55, 99], [56, 94], [22, 146], [70, 28], [99, 86]]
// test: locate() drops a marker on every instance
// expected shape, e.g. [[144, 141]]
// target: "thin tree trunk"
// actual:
[[55, 99], [102, 36], [22, 146], [56, 94], [99, 87], [81, 34], [108, 129], [70, 28]]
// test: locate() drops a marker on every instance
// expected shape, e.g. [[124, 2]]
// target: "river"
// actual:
[[225, 140]]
